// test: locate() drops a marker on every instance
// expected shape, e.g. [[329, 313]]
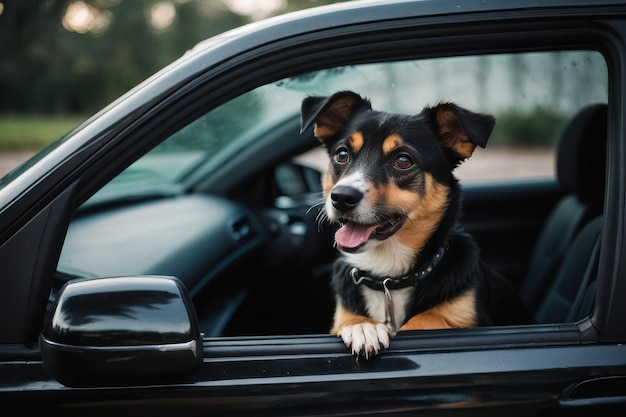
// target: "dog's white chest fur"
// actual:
[[388, 258]]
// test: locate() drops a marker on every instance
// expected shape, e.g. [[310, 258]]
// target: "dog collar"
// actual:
[[394, 283]]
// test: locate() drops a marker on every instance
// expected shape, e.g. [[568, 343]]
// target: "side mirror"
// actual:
[[123, 330]]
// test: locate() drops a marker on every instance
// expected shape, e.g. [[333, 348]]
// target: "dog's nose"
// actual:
[[345, 198]]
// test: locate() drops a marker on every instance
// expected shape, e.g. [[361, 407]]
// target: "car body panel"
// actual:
[[397, 383]]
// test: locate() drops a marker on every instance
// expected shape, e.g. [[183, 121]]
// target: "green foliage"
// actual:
[[540, 126], [48, 68], [30, 133]]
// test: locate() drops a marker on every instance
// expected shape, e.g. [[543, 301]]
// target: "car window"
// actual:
[[531, 95]]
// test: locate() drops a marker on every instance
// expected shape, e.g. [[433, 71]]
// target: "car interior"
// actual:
[[558, 284], [243, 229]]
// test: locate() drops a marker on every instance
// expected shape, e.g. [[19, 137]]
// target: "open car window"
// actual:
[[152, 227]]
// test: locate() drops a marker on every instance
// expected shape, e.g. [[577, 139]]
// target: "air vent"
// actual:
[[241, 230]]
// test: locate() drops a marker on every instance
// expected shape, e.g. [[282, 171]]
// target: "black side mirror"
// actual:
[[123, 330]]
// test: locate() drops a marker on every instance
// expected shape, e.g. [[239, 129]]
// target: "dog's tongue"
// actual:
[[352, 235]]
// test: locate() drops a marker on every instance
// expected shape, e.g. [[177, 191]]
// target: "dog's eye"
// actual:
[[342, 156], [403, 161]]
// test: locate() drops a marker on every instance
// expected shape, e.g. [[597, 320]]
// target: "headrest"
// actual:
[[581, 157]]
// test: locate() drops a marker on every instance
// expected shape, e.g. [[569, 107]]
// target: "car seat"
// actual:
[[570, 297], [581, 165]]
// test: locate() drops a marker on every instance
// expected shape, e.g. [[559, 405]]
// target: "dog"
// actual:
[[405, 263]]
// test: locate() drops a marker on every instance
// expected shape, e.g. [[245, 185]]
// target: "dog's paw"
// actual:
[[365, 339]]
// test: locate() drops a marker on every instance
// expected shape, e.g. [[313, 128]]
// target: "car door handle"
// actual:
[[602, 391]]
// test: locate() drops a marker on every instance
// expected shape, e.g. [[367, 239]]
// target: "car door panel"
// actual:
[[315, 376]]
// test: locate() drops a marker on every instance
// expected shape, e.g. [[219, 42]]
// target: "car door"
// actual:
[[566, 368]]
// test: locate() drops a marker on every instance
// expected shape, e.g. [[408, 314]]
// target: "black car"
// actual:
[[168, 256]]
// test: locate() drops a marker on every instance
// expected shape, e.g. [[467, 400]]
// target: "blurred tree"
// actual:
[[76, 56], [27, 53]]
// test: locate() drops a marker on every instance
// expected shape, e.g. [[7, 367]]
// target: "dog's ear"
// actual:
[[330, 114], [460, 129]]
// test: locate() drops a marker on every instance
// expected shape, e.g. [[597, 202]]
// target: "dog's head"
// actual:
[[390, 174]]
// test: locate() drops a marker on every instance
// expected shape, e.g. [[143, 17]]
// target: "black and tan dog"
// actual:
[[405, 263]]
